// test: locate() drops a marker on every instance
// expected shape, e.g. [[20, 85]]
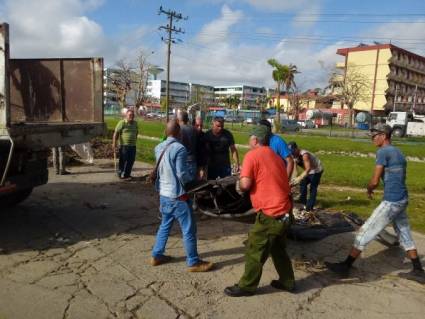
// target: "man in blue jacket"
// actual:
[[173, 175]]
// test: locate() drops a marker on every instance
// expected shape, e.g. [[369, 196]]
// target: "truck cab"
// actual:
[[406, 124]]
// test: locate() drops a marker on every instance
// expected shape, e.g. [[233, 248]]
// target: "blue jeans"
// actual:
[[172, 209], [384, 214], [127, 156], [314, 181]]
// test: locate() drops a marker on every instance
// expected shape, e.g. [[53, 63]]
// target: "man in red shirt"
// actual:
[[264, 175]]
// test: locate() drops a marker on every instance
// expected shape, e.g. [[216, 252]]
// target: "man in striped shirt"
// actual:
[[127, 131]]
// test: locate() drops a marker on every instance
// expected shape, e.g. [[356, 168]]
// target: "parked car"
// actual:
[[306, 124], [233, 119], [251, 120], [289, 126]]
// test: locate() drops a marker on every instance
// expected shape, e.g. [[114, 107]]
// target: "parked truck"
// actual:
[[406, 124], [44, 103]]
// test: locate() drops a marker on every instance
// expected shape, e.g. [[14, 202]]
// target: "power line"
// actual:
[[173, 16]]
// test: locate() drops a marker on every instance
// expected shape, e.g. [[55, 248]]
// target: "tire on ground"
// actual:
[[15, 198]]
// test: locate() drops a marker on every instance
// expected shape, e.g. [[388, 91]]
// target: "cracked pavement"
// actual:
[[79, 248]]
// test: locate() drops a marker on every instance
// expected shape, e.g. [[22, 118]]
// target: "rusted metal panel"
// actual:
[[35, 91], [56, 90], [4, 83]]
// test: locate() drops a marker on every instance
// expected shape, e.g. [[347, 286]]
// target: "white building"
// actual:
[[181, 94], [248, 95]]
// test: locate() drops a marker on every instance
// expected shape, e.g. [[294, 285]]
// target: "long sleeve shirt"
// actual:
[[173, 171]]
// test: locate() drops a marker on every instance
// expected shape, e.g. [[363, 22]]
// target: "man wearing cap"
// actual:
[[279, 146], [219, 141], [391, 168], [311, 175], [264, 176]]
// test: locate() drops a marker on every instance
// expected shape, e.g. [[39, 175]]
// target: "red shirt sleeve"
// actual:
[[248, 166]]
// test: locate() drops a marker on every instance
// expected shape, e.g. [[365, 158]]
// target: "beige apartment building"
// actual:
[[394, 73]]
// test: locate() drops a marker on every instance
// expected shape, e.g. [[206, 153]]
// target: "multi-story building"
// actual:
[[397, 77], [203, 94], [248, 95], [181, 94]]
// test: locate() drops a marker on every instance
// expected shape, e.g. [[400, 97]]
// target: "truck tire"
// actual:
[[15, 198], [398, 132]]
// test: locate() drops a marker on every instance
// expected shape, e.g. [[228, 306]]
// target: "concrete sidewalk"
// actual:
[[79, 248]]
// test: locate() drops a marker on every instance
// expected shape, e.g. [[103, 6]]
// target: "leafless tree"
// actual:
[[120, 80], [355, 88], [141, 79]]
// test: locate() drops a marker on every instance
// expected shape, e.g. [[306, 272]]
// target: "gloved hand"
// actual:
[[296, 180]]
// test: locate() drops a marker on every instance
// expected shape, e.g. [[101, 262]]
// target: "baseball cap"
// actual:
[[266, 123], [292, 146], [381, 128], [260, 131]]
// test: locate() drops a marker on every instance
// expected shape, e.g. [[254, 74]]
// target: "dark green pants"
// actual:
[[267, 237]]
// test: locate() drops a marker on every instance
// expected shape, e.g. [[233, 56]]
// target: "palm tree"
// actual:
[[279, 74], [290, 85]]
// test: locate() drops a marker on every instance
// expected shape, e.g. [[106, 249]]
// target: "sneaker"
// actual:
[[128, 178], [156, 261], [201, 266], [235, 291], [278, 285], [341, 269], [417, 275], [65, 173]]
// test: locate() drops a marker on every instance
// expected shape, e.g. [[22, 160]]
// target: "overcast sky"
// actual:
[[225, 42]]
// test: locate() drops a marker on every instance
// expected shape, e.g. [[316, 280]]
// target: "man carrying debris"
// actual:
[[173, 174], [391, 168], [127, 131], [189, 139], [264, 175], [311, 175], [279, 146], [219, 141]]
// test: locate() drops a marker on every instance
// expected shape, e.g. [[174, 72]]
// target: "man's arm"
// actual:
[[182, 170], [307, 168], [245, 184], [374, 181], [235, 156], [289, 166], [114, 139], [116, 135]]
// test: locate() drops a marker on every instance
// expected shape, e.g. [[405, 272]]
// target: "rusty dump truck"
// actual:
[[43, 103]]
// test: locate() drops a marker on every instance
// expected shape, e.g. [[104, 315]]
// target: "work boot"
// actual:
[[278, 285], [417, 275], [201, 266], [342, 269], [235, 291], [156, 261]]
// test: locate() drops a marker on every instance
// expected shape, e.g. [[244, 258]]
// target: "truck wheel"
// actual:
[[398, 132], [15, 198]]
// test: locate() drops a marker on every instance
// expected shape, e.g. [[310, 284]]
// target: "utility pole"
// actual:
[[170, 28]]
